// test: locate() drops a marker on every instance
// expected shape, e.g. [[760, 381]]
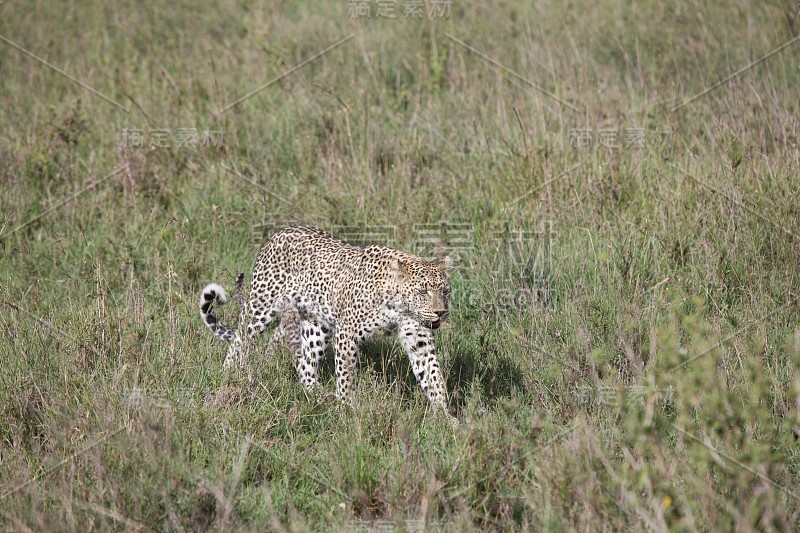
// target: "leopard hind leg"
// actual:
[[255, 317]]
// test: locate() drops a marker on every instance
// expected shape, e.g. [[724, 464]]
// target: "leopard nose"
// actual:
[[441, 312]]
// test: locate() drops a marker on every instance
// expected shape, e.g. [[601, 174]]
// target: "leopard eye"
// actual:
[[422, 292]]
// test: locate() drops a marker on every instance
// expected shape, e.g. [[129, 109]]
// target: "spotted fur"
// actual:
[[322, 288]]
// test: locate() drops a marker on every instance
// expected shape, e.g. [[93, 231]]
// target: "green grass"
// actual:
[[630, 362]]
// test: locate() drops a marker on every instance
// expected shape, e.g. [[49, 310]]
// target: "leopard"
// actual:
[[321, 290]]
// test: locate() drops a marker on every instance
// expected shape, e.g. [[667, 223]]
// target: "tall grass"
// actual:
[[624, 337]]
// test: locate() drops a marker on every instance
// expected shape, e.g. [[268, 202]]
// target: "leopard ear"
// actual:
[[445, 263], [402, 268]]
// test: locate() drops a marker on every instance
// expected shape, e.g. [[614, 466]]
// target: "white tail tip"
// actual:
[[213, 291]]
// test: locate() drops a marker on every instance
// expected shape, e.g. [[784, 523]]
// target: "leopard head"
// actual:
[[424, 289]]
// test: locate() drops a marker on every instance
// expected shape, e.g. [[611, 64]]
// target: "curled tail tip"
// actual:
[[239, 284], [211, 292]]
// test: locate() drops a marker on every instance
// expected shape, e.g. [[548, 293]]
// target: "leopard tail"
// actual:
[[211, 293]]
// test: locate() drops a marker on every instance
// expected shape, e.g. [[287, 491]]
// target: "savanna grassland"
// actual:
[[624, 339]]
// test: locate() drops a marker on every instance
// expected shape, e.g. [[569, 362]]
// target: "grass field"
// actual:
[[618, 182]]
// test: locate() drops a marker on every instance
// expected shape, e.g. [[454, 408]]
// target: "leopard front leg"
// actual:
[[346, 360], [417, 342]]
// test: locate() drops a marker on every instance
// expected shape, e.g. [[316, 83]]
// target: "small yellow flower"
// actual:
[[666, 501]]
